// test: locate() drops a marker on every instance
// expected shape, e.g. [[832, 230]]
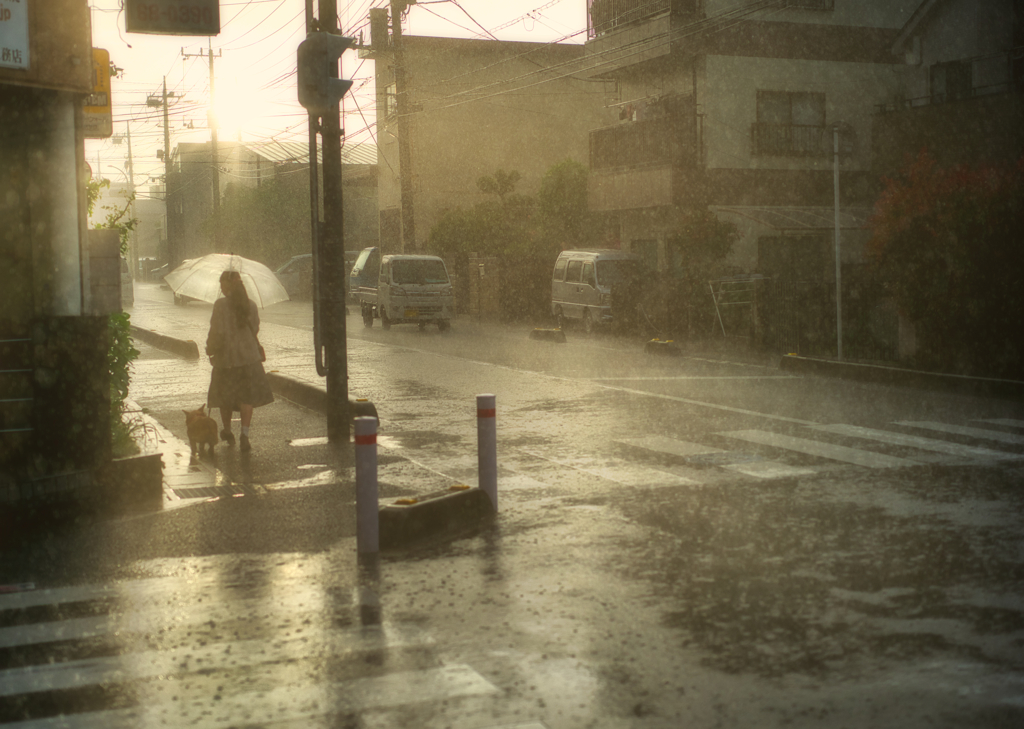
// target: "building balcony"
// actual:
[[626, 32], [636, 164]]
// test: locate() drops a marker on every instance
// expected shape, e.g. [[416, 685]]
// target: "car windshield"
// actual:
[[417, 271], [616, 271]]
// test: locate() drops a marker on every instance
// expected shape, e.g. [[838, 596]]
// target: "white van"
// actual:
[[581, 285], [410, 289]]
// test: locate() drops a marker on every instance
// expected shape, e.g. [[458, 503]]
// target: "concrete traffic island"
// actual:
[[548, 335], [664, 347], [405, 522]]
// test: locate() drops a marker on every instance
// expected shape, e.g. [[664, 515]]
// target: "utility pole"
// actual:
[[173, 252], [329, 252], [401, 114], [211, 120], [131, 192]]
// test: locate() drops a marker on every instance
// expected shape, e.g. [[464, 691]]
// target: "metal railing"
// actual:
[[606, 15], [664, 140], [789, 140]]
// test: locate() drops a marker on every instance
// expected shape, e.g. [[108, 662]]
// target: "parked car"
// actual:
[[582, 283], [296, 275]]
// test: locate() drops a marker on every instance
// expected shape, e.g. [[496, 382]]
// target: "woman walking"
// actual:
[[238, 381]]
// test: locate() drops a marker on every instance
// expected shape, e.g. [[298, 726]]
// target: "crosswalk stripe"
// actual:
[[769, 469], [623, 473], [671, 446], [1005, 421], [914, 441], [206, 657], [822, 450], [286, 703], [980, 433]]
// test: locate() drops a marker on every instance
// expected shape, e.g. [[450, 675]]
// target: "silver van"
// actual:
[[582, 282]]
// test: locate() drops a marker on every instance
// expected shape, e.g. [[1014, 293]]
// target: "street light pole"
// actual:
[[839, 263]]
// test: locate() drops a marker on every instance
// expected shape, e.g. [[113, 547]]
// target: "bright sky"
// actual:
[[254, 66]]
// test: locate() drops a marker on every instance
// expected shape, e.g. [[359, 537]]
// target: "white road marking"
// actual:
[[821, 450], [626, 474], [1004, 421], [288, 703], [200, 657], [980, 433], [662, 444], [770, 469], [914, 441], [694, 377]]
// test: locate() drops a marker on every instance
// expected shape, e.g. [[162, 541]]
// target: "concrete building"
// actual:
[[248, 165], [734, 107], [470, 108], [964, 99], [54, 387]]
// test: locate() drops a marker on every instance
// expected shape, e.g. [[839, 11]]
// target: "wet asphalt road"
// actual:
[[701, 541]]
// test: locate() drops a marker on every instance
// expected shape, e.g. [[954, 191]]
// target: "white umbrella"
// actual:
[[200, 279]]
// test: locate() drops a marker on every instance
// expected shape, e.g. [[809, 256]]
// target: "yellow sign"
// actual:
[[98, 119]]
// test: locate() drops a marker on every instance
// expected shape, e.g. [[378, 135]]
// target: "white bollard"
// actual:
[[367, 514], [487, 446]]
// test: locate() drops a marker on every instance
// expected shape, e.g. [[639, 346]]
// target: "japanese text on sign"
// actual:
[[173, 17], [13, 33]]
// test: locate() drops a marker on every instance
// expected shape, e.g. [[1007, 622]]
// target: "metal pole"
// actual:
[[332, 259], [839, 261], [173, 254], [487, 446], [136, 273], [367, 498], [215, 169], [401, 114]]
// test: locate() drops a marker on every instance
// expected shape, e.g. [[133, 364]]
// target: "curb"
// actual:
[[186, 348], [402, 525], [313, 397], [879, 374], [299, 392]]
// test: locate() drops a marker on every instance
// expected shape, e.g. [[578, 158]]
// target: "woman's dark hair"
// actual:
[[236, 296]]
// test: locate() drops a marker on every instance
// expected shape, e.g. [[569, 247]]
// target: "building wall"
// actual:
[[479, 106]]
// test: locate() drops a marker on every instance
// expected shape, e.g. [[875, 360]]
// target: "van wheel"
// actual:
[[385, 323], [367, 317], [560, 319], [588, 323]]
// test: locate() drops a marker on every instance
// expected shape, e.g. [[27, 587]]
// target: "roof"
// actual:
[[911, 26], [275, 151], [799, 218]]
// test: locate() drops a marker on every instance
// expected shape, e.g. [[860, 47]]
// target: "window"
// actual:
[[789, 123], [951, 81], [812, 4], [559, 270], [588, 273], [573, 272]]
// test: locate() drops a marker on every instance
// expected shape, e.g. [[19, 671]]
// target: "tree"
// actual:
[[565, 216], [946, 243], [269, 223], [700, 246]]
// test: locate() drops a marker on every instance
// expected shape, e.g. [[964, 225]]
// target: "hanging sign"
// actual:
[[172, 17], [13, 33], [98, 119]]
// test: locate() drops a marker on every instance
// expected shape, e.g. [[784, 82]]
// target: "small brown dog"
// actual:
[[202, 429]]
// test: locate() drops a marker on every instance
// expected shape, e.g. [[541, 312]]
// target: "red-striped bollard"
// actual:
[[367, 516], [487, 446]]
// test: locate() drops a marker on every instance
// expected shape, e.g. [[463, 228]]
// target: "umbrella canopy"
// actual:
[[200, 279]]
